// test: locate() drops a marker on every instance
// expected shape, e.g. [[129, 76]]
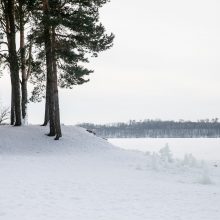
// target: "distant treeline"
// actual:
[[157, 129]]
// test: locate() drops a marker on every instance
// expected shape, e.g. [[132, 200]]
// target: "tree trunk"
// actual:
[[46, 113], [49, 64], [56, 95], [12, 117], [24, 100], [23, 64], [13, 59]]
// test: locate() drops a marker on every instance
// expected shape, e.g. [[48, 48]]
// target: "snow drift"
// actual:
[[84, 177], [33, 140]]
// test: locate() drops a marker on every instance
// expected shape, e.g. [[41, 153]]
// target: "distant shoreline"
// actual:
[[157, 129]]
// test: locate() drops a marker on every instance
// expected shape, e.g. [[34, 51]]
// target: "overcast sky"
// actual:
[[165, 64]]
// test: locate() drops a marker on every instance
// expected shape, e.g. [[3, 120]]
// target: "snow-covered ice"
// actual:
[[202, 148], [84, 177]]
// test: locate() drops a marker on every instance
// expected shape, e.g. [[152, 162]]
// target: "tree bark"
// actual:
[[56, 95], [12, 117], [46, 113], [13, 59], [24, 99], [23, 63], [49, 64]]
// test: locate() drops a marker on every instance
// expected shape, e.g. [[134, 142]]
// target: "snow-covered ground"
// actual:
[[83, 177], [202, 148]]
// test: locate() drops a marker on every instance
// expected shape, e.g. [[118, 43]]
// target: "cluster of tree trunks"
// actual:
[[19, 92], [69, 31]]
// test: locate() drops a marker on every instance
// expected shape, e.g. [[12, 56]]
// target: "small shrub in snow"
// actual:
[[164, 160], [205, 178], [190, 160], [166, 154], [155, 162]]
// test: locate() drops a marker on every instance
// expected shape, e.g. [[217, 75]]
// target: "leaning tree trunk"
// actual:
[[13, 60], [56, 95], [49, 64]]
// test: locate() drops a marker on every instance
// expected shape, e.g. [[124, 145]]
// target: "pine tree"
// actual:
[[49, 64], [21, 18], [79, 33], [64, 35], [73, 32], [8, 25]]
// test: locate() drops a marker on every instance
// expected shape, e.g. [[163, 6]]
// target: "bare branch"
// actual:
[[2, 42], [4, 114], [4, 56]]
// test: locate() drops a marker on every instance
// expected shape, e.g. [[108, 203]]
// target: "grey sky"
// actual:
[[165, 64]]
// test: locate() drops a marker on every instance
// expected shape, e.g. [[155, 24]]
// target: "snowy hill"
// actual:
[[33, 140], [84, 177]]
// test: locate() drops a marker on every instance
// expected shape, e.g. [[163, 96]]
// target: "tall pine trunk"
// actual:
[[56, 95], [13, 60], [7, 25], [49, 64], [23, 64]]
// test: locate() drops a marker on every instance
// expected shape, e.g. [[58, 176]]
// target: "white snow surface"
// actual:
[[202, 148], [84, 177]]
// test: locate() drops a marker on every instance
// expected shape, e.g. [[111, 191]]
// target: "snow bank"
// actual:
[[32, 140], [84, 177]]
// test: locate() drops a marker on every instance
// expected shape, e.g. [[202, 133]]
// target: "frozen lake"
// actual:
[[201, 148]]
